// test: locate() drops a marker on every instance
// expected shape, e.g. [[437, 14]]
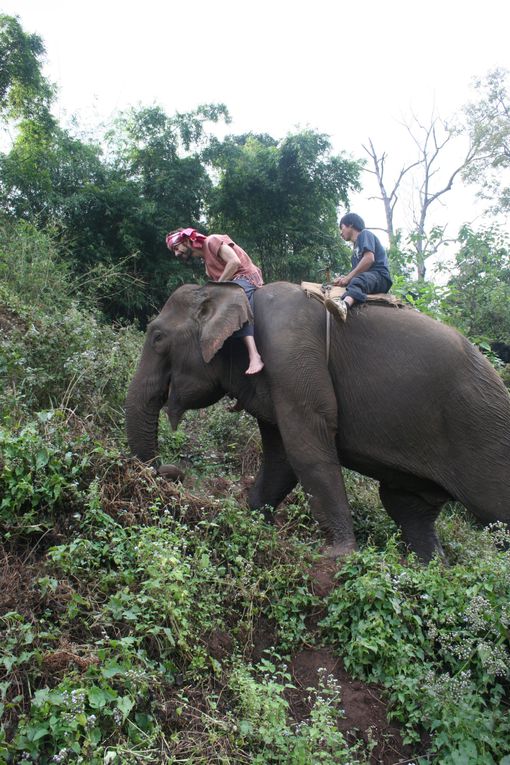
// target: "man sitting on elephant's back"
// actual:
[[224, 261], [370, 273]]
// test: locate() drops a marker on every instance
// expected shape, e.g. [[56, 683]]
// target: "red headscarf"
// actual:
[[177, 237]]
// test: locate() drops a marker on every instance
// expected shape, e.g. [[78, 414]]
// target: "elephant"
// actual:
[[395, 395]]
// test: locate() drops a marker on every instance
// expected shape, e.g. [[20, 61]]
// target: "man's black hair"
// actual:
[[351, 219]]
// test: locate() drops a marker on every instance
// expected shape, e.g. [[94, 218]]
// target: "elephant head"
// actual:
[[178, 365]]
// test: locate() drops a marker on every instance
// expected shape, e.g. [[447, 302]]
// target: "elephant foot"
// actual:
[[171, 472], [338, 551], [323, 573]]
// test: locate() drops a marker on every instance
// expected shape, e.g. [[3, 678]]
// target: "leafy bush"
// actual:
[[437, 638], [96, 718], [32, 267], [69, 361], [263, 726], [56, 351], [41, 468]]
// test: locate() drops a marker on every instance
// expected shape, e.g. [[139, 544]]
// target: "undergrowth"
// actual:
[[437, 638]]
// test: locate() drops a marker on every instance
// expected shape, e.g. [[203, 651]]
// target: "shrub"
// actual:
[[218, 440], [263, 728], [32, 267], [41, 470], [69, 361], [437, 638]]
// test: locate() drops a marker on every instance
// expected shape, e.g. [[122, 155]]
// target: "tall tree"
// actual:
[[488, 122], [44, 167], [162, 156], [429, 183], [280, 200], [24, 91], [113, 204], [480, 286]]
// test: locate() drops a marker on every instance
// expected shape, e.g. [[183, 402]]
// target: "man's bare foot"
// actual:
[[256, 365]]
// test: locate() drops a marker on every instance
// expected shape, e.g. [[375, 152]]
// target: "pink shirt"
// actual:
[[215, 265]]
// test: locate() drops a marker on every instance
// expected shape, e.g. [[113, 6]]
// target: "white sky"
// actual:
[[351, 70]]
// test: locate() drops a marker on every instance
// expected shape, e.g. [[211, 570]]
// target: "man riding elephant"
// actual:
[[370, 272], [224, 261]]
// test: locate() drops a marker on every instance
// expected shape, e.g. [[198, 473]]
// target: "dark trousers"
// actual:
[[249, 288], [367, 283]]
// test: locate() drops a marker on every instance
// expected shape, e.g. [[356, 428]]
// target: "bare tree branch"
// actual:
[[431, 141], [389, 199]]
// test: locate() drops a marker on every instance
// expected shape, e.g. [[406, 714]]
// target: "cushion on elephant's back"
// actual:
[[322, 291]]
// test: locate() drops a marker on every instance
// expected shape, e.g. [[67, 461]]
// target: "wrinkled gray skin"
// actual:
[[406, 400]]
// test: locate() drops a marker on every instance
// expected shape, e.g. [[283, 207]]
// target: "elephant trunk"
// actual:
[[142, 417]]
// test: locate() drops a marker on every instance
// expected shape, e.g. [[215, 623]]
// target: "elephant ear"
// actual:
[[223, 310]]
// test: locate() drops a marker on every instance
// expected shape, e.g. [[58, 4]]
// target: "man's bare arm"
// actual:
[[231, 261]]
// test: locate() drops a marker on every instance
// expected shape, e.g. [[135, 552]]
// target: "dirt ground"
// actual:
[[365, 712]]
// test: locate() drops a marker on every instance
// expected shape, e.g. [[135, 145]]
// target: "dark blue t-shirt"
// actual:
[[368, 242]]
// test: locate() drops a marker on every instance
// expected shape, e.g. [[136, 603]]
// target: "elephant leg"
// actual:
[[312, 453], [276, 478], [416, 515], [324, 484]]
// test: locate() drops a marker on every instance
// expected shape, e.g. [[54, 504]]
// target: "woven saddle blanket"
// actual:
[[320, 292]]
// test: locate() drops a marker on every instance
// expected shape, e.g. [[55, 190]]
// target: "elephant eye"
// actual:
[[156, 337]]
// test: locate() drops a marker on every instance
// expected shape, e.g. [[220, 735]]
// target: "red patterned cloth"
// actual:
[[177, 237]]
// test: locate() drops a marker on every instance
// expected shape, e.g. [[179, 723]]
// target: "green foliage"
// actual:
[[58, 180], [82, 719], [156, 162], [214, 440], [437, 638], [143, 577], [408, 281], [113, 209], [263, 728], [372, 524], [488, 123], [280, 199], [95, 363], [427, 297], [44, 170], [481, 286], [47, 330], [23, 89], [32, 269], [40, 471]]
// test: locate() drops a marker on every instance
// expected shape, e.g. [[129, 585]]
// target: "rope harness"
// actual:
[[321, 292], [326, 291]]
